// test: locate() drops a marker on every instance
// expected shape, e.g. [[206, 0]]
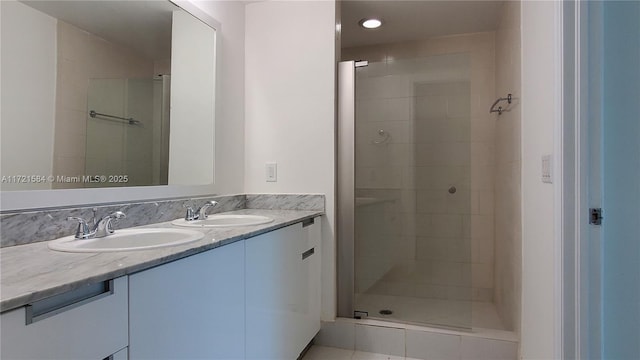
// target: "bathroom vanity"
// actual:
[[239, 292]]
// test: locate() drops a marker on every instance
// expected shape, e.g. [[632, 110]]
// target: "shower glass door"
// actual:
[[412, 244]]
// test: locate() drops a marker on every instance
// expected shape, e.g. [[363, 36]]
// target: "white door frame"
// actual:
[[580, 185]]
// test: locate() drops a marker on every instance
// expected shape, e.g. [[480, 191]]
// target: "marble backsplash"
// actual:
[[285, 202], [25, 227]]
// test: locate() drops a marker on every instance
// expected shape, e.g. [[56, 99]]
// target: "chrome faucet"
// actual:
[[104, 228], [83, 231], [201, 213], [99, 229], [190, 216]]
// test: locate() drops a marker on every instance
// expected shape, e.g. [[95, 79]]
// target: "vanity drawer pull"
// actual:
[[308, 253], [54, 305], [308, 222]]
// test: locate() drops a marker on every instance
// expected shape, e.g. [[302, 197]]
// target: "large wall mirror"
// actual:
[[106, 94]]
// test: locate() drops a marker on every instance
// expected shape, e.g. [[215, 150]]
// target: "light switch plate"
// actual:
[[546, 169], [271, 172]]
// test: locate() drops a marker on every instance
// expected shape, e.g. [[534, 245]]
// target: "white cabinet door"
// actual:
[[280, 302], [73, 325], [272, 277], [191, 308], [311, 265]]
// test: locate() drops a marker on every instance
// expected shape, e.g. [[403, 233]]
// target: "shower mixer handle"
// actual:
[[384, 137]]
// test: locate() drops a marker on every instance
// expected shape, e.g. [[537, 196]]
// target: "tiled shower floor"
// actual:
[[441, 312]]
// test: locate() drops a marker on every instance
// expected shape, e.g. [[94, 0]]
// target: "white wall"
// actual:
[[540, 114], [290, 94], [28, 78], [229, 138]]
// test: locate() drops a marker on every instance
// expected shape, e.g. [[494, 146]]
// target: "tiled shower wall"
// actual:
[[375, 255], [441, 134], [508, 266]]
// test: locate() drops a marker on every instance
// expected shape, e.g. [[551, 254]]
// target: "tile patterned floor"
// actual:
[[329, 353]]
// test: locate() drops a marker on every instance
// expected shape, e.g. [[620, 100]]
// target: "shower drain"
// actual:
[[385, 312]]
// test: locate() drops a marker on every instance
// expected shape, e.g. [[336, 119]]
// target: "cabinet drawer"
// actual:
[[70, 326], [309, 288]]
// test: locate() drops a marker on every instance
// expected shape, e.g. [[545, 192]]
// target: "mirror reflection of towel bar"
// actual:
[[131, 121]]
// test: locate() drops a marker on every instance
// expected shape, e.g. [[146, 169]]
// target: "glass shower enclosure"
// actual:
[[404, 191]]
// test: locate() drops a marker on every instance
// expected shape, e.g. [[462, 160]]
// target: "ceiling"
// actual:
[[140, 25], [415, 20], [145, 25]]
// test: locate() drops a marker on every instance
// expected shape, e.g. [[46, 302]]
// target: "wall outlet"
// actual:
[[546, 169], [271, 172]]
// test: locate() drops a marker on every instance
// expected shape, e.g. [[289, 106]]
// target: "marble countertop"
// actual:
[[33, 272]]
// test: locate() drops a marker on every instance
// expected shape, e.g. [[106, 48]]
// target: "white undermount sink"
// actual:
[[224, 220], [127, 240]]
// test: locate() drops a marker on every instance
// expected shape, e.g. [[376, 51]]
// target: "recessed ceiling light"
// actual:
[[370, 23]]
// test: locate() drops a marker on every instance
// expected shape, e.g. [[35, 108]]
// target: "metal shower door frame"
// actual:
[[346, 187]]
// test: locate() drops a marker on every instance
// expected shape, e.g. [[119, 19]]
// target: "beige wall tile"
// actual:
[[458, 202], [431, 291], [430, 107], [446, 225], [431, 248], [431, 201], [482, 275], [459, 250]]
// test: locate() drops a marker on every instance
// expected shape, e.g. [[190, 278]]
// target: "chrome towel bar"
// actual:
[[131, 121]]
